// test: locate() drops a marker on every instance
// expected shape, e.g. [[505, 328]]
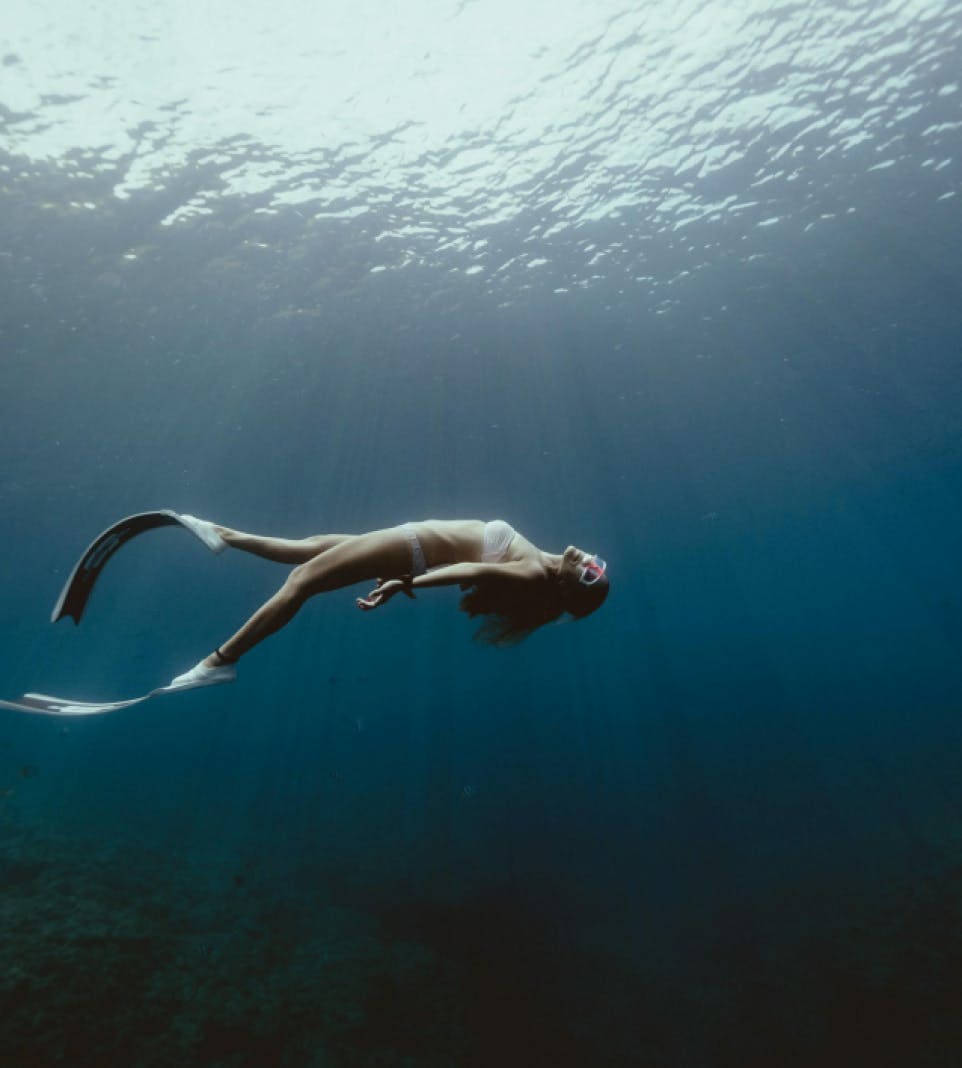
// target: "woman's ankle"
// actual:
[[230, 536], [218, 659]]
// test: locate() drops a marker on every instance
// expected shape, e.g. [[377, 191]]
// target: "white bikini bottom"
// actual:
[[418, 563]]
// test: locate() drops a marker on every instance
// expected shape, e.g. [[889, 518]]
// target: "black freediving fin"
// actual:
[[73, 598]]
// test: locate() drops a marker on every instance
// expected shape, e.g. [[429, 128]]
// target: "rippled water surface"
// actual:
[[555, 146], [677, 282]]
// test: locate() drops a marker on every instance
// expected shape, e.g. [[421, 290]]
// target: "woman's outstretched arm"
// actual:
[[449, 575], [468, 574]]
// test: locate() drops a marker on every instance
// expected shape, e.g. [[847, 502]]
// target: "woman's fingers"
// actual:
[[384, 591], [367, 603]]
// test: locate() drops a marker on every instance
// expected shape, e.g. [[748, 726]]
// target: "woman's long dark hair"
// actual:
[[513, 610]]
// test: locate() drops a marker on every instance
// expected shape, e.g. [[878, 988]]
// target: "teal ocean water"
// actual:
[[678, 283]]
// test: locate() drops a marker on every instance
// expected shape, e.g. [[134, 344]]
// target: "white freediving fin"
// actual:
[[46, 705]]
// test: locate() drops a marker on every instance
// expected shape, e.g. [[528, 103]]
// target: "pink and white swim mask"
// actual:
[[592, 571]]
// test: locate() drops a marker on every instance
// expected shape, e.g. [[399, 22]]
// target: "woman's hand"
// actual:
[[384, 591]]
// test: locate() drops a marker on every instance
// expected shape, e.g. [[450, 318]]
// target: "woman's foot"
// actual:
[[206, 531], [202, 675], [230, 536]]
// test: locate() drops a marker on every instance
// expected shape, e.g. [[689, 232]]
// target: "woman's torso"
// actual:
[[454, 541]]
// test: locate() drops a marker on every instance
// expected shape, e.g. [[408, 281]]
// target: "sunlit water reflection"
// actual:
[[555, 145]]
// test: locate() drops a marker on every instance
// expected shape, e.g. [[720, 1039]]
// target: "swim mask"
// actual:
[[592, 571]]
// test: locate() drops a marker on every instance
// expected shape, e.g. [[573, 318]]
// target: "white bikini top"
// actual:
[[498, 536]]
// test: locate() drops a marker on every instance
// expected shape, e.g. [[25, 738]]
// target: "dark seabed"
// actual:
[[677, 282]]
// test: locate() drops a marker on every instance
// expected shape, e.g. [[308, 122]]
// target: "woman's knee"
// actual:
[[297, 587]]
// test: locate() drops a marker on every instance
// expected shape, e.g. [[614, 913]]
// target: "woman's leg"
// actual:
[[281, 550], [356, 558]]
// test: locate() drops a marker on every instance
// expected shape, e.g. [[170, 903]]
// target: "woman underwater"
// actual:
[[515, 585]]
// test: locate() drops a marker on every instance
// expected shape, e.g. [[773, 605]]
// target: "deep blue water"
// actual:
[[692, 301]]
